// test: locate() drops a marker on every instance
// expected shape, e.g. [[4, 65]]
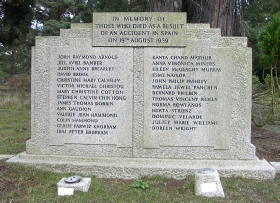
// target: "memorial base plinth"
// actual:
[[133, 168]]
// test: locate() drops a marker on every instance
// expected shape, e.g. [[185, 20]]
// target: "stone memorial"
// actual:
[[136, 94]]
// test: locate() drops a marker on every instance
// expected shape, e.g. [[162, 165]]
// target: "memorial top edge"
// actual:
[[140, 13], [81, 26], [198, 26]]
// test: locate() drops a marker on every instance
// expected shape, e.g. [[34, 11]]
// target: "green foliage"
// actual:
[[139, 6], [62, 10], [258, 13], [5, 64], [15, 126], [269, 42], [269, 46], [3, 75], [16, 58], [256, 84], [110, 6], [15, 37], [140, 184], [16, 21], [267, 79], [52, 27]]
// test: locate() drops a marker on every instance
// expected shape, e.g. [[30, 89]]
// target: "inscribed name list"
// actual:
[[139, 29], [89, 90], [184, 100]]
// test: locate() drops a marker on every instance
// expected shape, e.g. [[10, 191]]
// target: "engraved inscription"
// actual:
[[132, 29], [184, 98], [178, 98], [87, 91]]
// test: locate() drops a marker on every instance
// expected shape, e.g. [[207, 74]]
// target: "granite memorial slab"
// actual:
[[135, 94]]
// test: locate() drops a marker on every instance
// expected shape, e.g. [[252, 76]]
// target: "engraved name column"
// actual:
[[91, 88], [183, 101]]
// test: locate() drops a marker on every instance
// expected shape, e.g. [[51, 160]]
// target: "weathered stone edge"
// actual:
[[276, 165], [132, 168], [6, 156]]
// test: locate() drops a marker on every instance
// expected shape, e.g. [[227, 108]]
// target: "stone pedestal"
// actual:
[[64, 188], [133, 168], [208, 184]]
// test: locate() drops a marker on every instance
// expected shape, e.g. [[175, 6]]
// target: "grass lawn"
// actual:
[[14, 122], [26, 184]]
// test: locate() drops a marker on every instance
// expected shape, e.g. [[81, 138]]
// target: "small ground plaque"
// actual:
[[64, 187], [208, 187], [208, 184]]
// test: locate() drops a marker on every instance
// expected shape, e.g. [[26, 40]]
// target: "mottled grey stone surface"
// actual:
[[133, 168], [6, 156]]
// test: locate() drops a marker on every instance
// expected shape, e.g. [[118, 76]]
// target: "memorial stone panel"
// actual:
[[186, 98], [141, 94], [91, 96], [182, 86], [139, 29]]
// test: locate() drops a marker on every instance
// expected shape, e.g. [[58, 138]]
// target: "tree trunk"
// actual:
[[165, 5], [226, 15], [223, 14]]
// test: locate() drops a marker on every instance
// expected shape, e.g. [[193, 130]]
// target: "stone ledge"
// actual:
[[276, 165], [133, 168], [6, 156]]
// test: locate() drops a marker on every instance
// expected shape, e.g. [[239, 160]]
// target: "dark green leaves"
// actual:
[[140, 184]]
